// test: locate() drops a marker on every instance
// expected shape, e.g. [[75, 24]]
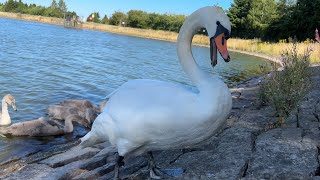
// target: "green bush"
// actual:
[[284, 89], [117, 18], [55, 10]]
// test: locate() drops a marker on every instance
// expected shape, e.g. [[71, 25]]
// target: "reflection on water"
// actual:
[[44, 64]]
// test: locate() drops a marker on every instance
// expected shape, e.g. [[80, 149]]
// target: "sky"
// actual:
[[107, 7]]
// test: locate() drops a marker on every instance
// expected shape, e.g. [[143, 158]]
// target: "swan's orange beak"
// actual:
[[219, 43]]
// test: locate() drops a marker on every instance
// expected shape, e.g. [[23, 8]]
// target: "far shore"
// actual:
[[198, 40]]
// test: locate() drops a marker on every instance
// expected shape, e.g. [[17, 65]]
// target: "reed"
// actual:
[[275, 49], [145, 33]]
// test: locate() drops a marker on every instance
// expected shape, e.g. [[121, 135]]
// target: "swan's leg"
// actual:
[[155, 172], [119, 163]]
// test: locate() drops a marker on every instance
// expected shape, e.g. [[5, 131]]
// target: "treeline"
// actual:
[[270, 20], [275, 19], [141, 19], [58, 10]]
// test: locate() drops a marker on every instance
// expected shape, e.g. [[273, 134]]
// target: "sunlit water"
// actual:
[[43, 64]]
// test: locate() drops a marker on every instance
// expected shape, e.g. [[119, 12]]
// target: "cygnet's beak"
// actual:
[[14, 107]]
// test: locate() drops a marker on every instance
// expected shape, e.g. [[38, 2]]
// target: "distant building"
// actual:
[[72, 21]]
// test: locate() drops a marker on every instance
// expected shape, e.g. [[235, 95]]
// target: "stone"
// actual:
[[133, 164], [68, 171], [282, 154], [227, 161], [23, 150], [292, 120], [96, 173], [106, 151], [72, 155], [102, 145], [94, 163], [31, 171], [164, 159], [256, 120], [312, 136]]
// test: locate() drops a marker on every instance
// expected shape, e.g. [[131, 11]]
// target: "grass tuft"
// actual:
[[284, 89]]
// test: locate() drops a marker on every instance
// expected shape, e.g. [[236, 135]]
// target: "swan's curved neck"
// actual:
[[187, 31], [5, 117]]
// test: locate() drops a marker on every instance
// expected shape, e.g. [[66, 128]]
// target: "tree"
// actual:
[[117, 18], [295, 19], [105, 20], [261, 14], [54, 4], [54, 10], [36, 10], [174, 22], [305, 16], [137, 19], [95, 19], [62, 6], [51, 12], [153, 21], [278, 29], [238, 13], [10, 6]]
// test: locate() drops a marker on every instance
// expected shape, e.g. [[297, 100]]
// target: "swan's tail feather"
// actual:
[[89, 140]]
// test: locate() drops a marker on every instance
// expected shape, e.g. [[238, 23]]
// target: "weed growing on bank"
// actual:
[[285, 88]]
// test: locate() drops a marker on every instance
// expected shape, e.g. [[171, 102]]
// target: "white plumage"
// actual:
[[146, 115]]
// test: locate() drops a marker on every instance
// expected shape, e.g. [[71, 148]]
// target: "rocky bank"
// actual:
[[248, 147]]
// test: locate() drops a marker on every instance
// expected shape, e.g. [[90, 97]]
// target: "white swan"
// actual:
[[146, 115], [4, 115]]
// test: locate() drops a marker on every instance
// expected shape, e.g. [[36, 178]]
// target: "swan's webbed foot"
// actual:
[[119, 163], [155, 172]]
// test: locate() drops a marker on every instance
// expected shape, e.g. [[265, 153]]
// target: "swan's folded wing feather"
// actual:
[[148, 84], [149, 100]]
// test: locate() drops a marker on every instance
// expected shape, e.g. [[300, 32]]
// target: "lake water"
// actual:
[[43, 64]]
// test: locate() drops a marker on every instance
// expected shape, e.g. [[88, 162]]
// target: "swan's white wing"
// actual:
[[159, 108], [149, 96], [143, 92]]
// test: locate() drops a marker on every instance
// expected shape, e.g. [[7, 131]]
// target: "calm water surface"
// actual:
[[43, 64]]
